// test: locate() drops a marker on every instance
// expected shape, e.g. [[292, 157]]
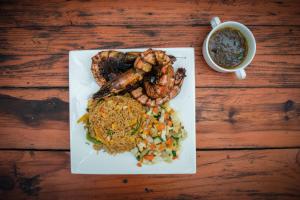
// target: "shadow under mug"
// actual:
[[240, 69]]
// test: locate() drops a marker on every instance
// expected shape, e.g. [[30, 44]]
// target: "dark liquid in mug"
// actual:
[[228, 48]]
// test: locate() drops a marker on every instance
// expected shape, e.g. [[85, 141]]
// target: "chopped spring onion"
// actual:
[[91, 139], [136, 128], [157, 140], [174, 153], [109, 132]]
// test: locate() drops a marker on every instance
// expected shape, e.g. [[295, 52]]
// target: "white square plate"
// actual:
[[85, 160]]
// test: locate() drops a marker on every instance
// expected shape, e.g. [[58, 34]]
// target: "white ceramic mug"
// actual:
[[240, 69]]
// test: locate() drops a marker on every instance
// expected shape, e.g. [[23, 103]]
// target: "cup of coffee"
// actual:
[[229, 47]]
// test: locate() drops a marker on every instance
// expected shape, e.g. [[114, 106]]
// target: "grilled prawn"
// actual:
[[107, 65], [160, 92], [154, 67]]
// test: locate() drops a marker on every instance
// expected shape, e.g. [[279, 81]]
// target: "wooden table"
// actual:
[[248, 132]]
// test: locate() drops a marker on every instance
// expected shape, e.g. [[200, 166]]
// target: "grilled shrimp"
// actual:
[[107, 65], [166, 86], [123, 82], [150, 96], [143, 63]]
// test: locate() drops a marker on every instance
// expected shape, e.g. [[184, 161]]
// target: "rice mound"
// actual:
[[116, 122]]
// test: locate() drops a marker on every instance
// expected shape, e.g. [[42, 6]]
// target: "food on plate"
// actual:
[[228, 48], [130, 111], [166, 87], [161, 136], [151, 80], [113, 123], [107, 65]]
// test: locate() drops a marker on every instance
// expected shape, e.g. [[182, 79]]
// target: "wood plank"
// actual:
[[33, 118], [30, 71], [62, 13], [226, 118], [256, 174], [265, 71], [248, 117], [60, 40]]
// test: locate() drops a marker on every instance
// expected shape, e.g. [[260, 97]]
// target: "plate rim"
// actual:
[[191, 169]]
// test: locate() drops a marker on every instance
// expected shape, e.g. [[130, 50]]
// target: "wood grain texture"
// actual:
[[60, 40], [28, 71], [33, 118], [62, 13], [226, 118], [261, 174], [262, 111], [265, 71], [248, 117]]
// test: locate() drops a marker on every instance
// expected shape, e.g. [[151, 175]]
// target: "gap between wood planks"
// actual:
[[143, 26], [197, 87], [197, 149]]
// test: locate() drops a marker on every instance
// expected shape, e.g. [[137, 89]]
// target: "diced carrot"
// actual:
[[146, 131], [152, 146], [166, 116], [160, 126], [139, 164], [175, 157], [169, 142], [170, 123], [155, 110], [149, 157], [161, 147]]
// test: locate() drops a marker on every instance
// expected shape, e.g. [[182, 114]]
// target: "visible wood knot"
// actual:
[[125, 181], [148, 190], [288, 105], [30, 185], [286, 118], [272, 13], [6, 183], [84, 14], [231, 113], [150, 33]]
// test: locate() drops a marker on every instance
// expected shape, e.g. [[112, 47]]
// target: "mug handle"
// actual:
[[240, 74], [215, 21]]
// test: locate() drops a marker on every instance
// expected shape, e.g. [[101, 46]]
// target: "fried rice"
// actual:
[[113, 124]]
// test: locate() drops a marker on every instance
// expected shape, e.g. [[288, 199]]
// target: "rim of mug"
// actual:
[[222, 24]]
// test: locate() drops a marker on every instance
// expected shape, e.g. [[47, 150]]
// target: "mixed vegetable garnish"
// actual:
[[161, 135]]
